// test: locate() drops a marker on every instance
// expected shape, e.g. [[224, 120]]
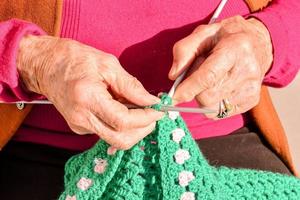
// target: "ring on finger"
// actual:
[[228, 105], [224, 108]]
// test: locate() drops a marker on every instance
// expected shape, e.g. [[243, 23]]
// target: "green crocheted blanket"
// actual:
[[167, 165]]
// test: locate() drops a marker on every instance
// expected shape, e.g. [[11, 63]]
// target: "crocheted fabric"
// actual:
[[167, 165]]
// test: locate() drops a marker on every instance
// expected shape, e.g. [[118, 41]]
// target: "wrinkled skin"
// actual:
[[86, 86], [228, 60]]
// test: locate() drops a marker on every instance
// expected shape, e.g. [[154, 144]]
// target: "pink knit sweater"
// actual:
[[141, 34]]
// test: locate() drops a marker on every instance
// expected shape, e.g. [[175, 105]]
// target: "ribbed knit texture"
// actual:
[[167, 165]]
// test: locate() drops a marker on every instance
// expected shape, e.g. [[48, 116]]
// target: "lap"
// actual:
[[31, 171], [243, 148]]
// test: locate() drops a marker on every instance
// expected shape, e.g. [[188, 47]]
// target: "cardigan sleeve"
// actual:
[[282, 18], [11, 33]]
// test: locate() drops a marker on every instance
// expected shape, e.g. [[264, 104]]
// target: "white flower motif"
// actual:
[[111, 150], [185, 177], [100, 165], [177, 134], [181, 156], [187, 196], [173, 114], [84, 183]]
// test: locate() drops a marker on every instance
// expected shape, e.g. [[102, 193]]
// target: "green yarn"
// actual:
[[165, 100], [150, 170]]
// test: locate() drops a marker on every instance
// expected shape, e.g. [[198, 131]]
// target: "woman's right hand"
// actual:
[[85, 85]]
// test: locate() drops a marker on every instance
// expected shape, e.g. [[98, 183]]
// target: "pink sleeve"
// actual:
[[11, 32], [282, 18]]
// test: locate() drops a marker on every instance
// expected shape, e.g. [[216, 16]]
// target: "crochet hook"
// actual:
[[20, 104], [212, 20], [166, 108], [187, 109]]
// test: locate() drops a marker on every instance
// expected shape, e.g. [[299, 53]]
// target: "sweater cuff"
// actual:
[[279, 74], [11, 86]]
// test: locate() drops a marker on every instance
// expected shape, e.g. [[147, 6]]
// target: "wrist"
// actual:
[[33, 55], [262, 31]]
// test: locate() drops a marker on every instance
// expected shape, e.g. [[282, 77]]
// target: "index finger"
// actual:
[[206, 76], [119, 117]]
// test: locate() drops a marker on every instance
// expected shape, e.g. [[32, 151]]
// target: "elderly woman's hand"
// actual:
[[86, 85], [228, 60]]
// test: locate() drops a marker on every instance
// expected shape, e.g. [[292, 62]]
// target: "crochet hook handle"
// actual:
[[212, 20]]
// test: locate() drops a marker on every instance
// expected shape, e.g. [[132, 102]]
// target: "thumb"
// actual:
[[186, 50], [132, 90]]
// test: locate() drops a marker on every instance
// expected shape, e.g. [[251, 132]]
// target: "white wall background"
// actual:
[[287, 103]]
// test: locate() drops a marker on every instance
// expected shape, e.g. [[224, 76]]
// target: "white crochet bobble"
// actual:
[[100, 166], [173, 114], [84, 183], [178, 134], [181, 156], [187, 196], [185, 177]]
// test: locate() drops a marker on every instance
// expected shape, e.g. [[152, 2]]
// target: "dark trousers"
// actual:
[[35, 172]]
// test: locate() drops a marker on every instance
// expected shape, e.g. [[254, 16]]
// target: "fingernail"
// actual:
[[155, 99]]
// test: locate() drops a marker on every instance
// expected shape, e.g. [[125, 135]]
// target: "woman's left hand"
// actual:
[[228, 60]]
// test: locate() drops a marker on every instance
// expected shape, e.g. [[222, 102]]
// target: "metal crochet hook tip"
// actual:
[[166, 108], [187, 109]]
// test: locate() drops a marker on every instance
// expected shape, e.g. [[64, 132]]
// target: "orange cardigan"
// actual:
[[47, 14]]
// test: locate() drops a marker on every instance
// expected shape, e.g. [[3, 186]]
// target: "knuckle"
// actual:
[[233, 20], [185, 97], [134, 83], [109, 61], [91, 125], [79, 94], [253, 70], [237, 18], [245, 43], [109, 67], [201, 28], [76, 119], [107, 71], [111, 58], [119, 122], [209, 79], [205, 99], [178, 46]]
